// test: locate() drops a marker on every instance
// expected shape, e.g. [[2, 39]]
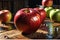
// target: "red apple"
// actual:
[[27, 20], [41, 12], [5, 16], [47, 3]]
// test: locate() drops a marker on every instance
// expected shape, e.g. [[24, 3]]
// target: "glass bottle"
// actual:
[[53, 31]]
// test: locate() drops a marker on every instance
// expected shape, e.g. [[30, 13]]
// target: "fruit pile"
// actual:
[[53, 14], [28, 20]]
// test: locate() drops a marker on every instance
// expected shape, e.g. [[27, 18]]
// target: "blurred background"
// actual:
[[15, 5]]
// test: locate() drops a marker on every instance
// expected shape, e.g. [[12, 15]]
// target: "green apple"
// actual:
[[48, 9], [56, 17], [53, 13]]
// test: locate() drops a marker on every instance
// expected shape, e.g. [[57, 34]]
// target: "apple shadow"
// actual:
[[36, 35], [43, 28]]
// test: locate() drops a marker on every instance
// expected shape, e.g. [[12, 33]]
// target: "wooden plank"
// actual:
[[17, 34]]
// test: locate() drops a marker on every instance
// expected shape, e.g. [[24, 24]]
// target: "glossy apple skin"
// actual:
[[57, 17], [47, 3], [42, 13], [27, 22], [5, 16], [48, 9], [53, 13]]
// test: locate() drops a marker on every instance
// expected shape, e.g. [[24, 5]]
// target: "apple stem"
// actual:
[[26, 11]]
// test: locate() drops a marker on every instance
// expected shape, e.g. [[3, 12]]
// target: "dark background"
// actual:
[[33, 3], [15, 5]]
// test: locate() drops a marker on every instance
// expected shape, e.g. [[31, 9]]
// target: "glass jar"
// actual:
[[53, 31]]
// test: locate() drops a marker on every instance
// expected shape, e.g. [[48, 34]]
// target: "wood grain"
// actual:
[[17, 34]]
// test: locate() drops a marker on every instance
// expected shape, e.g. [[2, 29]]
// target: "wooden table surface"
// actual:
[[15, 34]]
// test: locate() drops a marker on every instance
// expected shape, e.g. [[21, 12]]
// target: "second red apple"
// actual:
[[42, 13]]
